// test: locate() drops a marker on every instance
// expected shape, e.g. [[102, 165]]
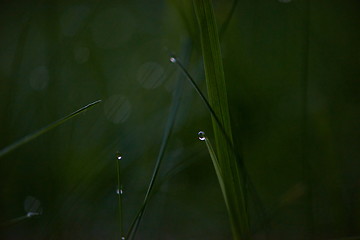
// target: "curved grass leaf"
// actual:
[[167, 132], [232, 177], [45, 129]]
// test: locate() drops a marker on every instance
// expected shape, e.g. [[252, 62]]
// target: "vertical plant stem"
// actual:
[[120, 195], [233, 179]]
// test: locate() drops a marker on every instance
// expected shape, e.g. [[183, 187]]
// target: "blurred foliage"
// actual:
[[57, 56]]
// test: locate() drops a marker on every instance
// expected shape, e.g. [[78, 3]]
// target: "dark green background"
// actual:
[[57, 56]]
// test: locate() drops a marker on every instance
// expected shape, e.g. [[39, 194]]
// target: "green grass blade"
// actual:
[[234, 183], [170, 124], [216, 164], [175, 60], [14, 221], [167, 132], [257, 203], [119, 192], [45, 129]]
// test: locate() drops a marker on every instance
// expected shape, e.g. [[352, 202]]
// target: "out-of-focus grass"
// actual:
[[54, 56]]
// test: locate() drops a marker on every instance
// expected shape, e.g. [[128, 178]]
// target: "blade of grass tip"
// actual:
[[217, 167], [215, 80], [119, 192], [14, 221], [45, 129], [19, 219], [248, 182], [167, 132], [177, 61]]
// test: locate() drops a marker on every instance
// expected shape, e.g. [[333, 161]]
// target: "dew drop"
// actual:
[[119, 191], [201, 135], [122, 238], [118, 156], [173, 59]]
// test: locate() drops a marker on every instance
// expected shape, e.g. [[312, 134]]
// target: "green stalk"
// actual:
[[232, 177], [119, 191], [45, 129]]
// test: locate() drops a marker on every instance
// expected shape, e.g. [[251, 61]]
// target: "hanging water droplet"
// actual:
[[119, 191], [118, 156], [201, 135], [122, 238], [173, 59]]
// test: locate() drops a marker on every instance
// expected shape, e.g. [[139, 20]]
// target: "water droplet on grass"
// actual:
[[118, 156], [201, 135], [119, 191], [173, 59]]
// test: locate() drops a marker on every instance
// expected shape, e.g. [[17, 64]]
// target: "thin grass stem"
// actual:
[[167, 132], [45, 129], [119, 192]]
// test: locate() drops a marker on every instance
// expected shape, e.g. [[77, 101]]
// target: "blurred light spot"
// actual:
[[150, 75], [112, 27], [284, 1], [72, 19], [117, 108], [39, 78], [32, 206], [81, 54]]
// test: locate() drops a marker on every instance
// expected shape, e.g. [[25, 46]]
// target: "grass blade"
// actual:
[[45, 129], [170, 124], [216, 164], [232, 177], [253, 194], [167, 132], [119, 192]]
